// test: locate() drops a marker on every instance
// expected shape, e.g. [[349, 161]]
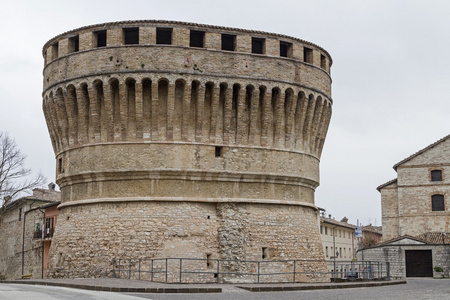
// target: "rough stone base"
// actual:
[[89, 237]]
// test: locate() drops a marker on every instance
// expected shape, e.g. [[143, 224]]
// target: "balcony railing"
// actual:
[[48, 233]]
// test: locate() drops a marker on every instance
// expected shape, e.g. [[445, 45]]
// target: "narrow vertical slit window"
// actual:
[[218, 151], [258, 45], [60, 166], [164, 36], [20, 214], [208, 260], [100, 38], [265, 253], [228, 42], [131, 36], [197, 39]]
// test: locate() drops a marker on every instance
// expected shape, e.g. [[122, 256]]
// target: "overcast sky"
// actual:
[[390, 77]]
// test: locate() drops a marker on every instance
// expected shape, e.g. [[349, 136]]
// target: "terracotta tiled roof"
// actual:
[[436, 237], [421, 151], [335, 222]]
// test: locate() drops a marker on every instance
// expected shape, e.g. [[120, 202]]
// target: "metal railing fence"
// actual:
[[197, 270]]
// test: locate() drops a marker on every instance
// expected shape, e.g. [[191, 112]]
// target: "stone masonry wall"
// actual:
[[89, 237], [395, 254], [168, 149]]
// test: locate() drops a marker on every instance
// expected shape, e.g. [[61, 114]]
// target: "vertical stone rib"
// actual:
[[108, 114], [324, 130], [178, 110], [155, 129], [316, 121], [131, 112], [227, 114], [51, 127], [72, 114], [207, 106], [139, 111], [300, 116], [199, 117], [266, 117], [170, 111], [289, 109], [147, 108], [83, 114], [186, 112], [277, 112], [62, 118], [254, 133], [308, 122], [115, 101], [214, 113], [100, 98], [322, 118], [94, 128], [123, 108], [241, 125]]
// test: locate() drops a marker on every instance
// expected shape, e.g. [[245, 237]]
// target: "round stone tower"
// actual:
[[177, 139]]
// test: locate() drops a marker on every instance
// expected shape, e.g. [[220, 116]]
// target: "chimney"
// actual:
[[51, 186]]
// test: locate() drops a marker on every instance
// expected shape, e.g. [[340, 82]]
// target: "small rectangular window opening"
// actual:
[[323, 62], [20, 214], [307, 55], [164, 36], [326, 230], [131, 36], [265, 253], [228, 42], [55, 47], [258, 45], [197, 39], [100, 37], [218, 151], [326, 251], [436, 175], [285, 49], [321, 229], [74, 44]]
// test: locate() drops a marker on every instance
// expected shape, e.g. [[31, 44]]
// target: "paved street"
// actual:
[[415, 289]]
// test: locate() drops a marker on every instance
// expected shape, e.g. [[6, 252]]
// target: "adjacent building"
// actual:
[[21, 234], [416, 215], [338, 239]]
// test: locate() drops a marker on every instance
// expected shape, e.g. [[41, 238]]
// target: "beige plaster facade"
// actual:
[[343, 245], [184, 140]]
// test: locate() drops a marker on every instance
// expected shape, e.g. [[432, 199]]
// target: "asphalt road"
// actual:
[[415, 289]]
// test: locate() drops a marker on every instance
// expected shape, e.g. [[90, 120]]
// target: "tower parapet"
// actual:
[[186, 133]]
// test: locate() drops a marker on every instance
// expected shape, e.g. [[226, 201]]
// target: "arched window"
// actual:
[[436, 175], [437, 202]]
